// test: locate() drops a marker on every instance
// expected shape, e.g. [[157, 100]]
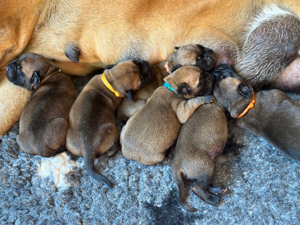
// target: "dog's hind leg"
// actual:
[[177, 177]]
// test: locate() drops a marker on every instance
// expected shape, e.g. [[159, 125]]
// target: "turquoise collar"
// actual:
[[167, 85]]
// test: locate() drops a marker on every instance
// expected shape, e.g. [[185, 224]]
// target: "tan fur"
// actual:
[[200, 140], [92, 129], [128, 108], [45, 119], [109, 31], [153, 130]]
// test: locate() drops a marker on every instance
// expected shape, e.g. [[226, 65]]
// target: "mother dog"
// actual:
[[83, 36]]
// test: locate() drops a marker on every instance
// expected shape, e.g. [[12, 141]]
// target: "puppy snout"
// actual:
[[10, 71]]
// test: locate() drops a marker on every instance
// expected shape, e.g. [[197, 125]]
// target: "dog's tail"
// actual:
[[177, 177], [89, 159]]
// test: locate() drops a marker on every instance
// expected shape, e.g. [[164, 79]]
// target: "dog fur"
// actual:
[[274, 117], [45, 119], [192, 54], [92, 129], [154, 129], [106, 32]]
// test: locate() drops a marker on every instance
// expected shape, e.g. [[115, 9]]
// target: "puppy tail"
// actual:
[[89, 159], [177, 177]]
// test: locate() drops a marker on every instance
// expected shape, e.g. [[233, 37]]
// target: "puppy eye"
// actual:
[[18, 67]]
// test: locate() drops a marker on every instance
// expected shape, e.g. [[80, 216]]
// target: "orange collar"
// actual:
[[250, 106], [109, 86]]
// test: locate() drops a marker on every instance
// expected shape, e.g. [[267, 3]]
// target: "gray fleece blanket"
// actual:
[[262, 183]]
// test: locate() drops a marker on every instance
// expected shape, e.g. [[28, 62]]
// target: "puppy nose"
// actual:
[[9, 71]]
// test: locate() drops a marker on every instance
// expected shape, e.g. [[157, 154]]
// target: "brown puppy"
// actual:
[[154, 129], [200, 140], [192, 54], [274, 117], [45, 119], [145, 30], [92, 129], [128, 107]]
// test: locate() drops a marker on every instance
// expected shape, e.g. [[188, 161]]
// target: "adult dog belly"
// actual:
[[109, 32]]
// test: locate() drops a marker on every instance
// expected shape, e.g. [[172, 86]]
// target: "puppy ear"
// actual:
[[200, 46], [175, 68], [35, 79], [244, 90], [184, 89], [176, 48], [129, 96], [109, 66]]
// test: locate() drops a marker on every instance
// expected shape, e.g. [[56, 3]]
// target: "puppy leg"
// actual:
[[12, 101], [116, 147], [202, 192], [177, 177], [186, 108]]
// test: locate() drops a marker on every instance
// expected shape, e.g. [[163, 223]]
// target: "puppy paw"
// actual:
[[206, 99], [213, 200]]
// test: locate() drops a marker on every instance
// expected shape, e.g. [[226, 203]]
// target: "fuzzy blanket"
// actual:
[[262, 183]]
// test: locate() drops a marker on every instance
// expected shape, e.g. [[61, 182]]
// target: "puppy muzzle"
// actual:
[[146, 72], [10, 71]]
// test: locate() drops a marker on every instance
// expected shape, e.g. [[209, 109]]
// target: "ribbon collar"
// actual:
[[250, 106], [109, 86], [167, 85]]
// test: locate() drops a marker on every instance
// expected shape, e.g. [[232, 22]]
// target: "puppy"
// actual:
[[267, 114], [192, 54], [92, 129], [128, 108], [154, 129], [45, 119], [200, 140]]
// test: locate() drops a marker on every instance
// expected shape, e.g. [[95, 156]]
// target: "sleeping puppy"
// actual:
[[192, 54], [154, 129], [267, 114], [92, 129], [128, 108], [45, 119], [200, 140]]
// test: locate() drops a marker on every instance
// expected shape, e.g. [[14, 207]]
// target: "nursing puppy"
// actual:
[[85, 38], [267, 114], [92, 129], [200, 140], [154, 129], [192, 54], [45, 119], [128, 107]]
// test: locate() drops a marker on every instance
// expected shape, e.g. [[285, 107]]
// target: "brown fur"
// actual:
[[45, 119], [274, 117], [128, 108], [154, 129], [192, 54], [92, 129], [106, 32], [200, 140]]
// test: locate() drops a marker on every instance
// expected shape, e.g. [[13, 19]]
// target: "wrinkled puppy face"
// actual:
[[129, 75], [190, 81], [27, 71], [230, 87], [192, 54]]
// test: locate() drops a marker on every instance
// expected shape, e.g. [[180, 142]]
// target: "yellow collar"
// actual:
[[109, 86], [250, 106]]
